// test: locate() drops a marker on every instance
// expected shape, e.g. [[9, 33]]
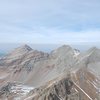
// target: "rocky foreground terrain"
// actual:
[[63, 74]]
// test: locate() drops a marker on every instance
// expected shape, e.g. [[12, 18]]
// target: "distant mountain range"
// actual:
[[63, 74]]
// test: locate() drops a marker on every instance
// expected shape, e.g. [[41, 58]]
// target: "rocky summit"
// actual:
[[64, 74]]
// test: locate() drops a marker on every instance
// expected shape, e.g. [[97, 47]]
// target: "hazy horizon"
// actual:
[[8, 47]]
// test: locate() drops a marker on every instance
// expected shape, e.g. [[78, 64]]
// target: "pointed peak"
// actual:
[[93, 49], [62, 49], [22, 49], [25, 46], [65, 47]]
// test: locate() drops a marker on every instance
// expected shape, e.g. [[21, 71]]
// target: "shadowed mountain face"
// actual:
[[63, 74]]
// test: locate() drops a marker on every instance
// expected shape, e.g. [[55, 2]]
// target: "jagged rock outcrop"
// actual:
[[5, 90], [60, 88]]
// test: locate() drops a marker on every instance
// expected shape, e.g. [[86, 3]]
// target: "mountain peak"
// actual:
[[62, 50], [93, 49], [25, 46], [22, 49], [64, 47]]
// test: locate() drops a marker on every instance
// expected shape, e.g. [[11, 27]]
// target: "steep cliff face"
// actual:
[[57, 91], [60, 88]]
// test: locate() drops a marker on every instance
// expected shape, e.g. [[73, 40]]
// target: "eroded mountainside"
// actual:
[[63, 74]]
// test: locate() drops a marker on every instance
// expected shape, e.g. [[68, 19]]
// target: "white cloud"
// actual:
[[49, 21], [53, 36]]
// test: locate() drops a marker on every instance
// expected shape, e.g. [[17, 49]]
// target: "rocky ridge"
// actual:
[[44, 71]]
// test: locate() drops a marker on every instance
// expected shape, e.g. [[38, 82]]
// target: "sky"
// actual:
[[50, 21]]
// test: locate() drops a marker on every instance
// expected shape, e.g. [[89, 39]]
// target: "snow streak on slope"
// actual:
[[14, 91]]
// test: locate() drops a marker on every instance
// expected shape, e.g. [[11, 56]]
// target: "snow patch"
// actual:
[[76, 52], [21, 89]]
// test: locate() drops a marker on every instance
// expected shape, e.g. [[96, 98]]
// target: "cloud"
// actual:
[[50, 36], [49, 21]]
